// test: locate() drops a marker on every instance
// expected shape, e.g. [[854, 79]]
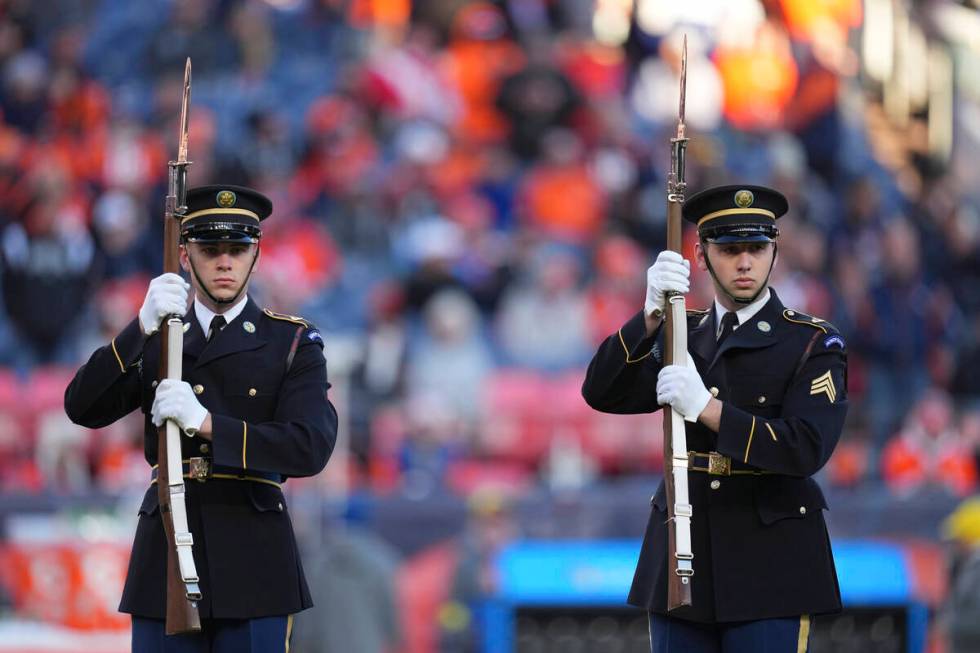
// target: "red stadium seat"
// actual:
[[515, 415]]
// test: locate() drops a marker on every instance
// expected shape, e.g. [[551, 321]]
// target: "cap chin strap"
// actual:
[[739, 300], [223, 302]]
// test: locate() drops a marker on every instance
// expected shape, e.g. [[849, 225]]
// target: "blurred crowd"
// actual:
[[467, 195]]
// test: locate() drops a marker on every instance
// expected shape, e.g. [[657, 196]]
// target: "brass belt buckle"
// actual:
[[719, 465], [199, 469]]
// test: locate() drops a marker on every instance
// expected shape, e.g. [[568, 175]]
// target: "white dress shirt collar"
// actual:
[[744, 314], [205, 314]]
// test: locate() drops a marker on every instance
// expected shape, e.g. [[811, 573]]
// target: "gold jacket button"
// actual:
[[802, 510], [252, 392], [205, 448], [714, 391], [762, 399], [279, 506], [198, 389], [154, 384], [715, 484]]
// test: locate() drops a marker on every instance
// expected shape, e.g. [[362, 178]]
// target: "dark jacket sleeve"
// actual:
[[622, 377], [800, 441], [107, 387], [300, 438]]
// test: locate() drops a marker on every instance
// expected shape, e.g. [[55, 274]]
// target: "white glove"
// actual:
[[681, 387], [167, 295], [175, 400], [670, 273]]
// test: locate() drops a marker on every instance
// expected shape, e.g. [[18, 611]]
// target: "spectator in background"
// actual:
[[961, 614], [49, 265], [491, 526], [561, 198], [543, 321], [119, 221], [536, 99], [451, 359], [433, 441], [908, 323], [655, 93], [613, 292], [23, 98], [432, 246], [480, 53], [930, 450]]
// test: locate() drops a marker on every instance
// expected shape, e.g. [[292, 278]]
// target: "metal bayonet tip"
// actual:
[[680, 111], [184, 114]]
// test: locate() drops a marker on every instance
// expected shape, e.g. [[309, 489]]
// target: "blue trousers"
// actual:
[[262, 635], [790, 635]]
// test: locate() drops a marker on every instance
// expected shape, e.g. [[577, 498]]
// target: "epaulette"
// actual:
[[791, 315], [286, 318]]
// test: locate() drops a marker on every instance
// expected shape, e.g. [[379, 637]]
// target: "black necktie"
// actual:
[[217, 324], [728, 323]]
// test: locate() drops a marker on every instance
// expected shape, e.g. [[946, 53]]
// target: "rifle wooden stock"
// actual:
[[678, 592], [182, 613]]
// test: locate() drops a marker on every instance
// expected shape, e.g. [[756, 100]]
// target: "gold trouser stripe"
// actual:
[[235, 477], [122, 368], [801, 643], [626, 349], [244, 442], [289, 631], [197, 214], [718, 214], [749, 444], [771, 432]]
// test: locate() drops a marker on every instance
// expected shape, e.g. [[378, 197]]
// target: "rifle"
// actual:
[[679, 509], [183, 591]]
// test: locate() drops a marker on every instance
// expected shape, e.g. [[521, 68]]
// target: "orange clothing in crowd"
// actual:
[[758, 81], [805, 17], [381, 13], [908, 463], [565, 202]]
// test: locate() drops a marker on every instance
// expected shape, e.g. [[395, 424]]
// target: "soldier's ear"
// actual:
[[184, 261], [699, 255]]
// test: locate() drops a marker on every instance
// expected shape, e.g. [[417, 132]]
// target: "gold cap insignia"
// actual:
[[744, 199], [248, 326], [226, 199]]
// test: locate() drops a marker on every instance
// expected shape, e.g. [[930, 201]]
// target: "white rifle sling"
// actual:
[[679, 463], [175, 470]]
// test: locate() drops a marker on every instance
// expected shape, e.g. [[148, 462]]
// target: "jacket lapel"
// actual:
[[758, 332], [234, 337], [701, 339], [193, 336]]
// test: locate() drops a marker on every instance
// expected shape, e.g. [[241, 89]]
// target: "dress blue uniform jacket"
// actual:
[[760, 543], [271, 419]]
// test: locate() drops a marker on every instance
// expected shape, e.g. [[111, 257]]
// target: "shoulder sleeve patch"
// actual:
[[314, 335], [833, 340], [286, 318]]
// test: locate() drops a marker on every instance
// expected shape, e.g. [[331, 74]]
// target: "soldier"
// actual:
[[764, 397], [253, 405]]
